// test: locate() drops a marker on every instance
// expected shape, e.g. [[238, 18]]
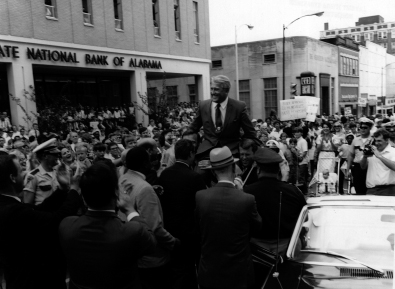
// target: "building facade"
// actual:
[[311, 68], [99, 53], [370, 28]]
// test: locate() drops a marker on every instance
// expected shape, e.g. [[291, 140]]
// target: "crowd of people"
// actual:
[[173, 204]]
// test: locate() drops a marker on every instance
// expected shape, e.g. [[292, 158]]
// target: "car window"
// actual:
[[364, 233]]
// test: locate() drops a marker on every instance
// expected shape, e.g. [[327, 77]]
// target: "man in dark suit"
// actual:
[[29, 245], [222, 118], [100, 249], [180, 184], [226, 217], [267, 195]]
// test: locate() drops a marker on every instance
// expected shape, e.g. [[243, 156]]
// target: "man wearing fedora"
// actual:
[[226, 218], [221, 118]]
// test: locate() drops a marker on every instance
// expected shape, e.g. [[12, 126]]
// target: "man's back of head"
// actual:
[[137, 159], [99, 185]]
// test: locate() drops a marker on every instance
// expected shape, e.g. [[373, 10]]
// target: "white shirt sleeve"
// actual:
[[132, 215]]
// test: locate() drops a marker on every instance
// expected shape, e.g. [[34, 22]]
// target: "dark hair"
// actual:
[[352, 124], [276, 121], [7, 168], [297, 129], [269, 168], [328, 124], [98, 185], [383, 132], [247, 143], [142, 129], [99, 147], [162, 137], [136, 158], [183, 149], [191, 132], [343, 119], [293, 140]]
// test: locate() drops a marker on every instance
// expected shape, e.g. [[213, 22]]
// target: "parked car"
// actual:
[[338, 242]]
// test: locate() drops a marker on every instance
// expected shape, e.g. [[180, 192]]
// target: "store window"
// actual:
[[244, 93], [155, 17], [270, 94], [87, 12], [118, 14], [177, 19], [196, 21], [172, 95], [50, 9], [192, 92]]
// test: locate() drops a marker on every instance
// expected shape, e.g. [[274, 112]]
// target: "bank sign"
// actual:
[[70, 57]]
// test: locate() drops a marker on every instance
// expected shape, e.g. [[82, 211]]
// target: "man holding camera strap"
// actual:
[[380, 162], [356, 154]]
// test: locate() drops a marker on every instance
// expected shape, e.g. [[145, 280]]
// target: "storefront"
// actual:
[[348, 98], [87, 76]]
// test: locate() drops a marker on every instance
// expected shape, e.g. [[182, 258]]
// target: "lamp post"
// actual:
[[237, 59], [319, 14]]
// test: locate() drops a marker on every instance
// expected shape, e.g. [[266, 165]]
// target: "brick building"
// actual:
[[370, 28], [100, 52]]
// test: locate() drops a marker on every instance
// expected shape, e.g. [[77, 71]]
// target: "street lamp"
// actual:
[[319, 14], [237, 60]]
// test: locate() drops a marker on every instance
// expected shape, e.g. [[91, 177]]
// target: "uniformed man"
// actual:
[[356, 154], [42, 182], [267, 196]]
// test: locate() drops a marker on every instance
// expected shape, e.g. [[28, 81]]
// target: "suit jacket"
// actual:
[[180, 184], [147, 204], [102, 251], [266, 192], [227, 217], [29, 243], [236, 117]]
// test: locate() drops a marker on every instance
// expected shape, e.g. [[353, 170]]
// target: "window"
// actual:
[[385, 45], [366, 28], [192, 92], [172, 96], [328, 33], [348, 66], [383, 34], [152, 92], [269, 58], [196, 20], [155, 17], [118, 14], [177, 20], [379, 35], [393, 33], [216, 64], [358, 29], [358, 39], [392, 25], [87, 11], [371, 27], [352, 30], [50, 9], [244, 93], [392, 45], [270, 94], [367, 36]]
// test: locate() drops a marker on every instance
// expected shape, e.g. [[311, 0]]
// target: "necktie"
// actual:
[[218, 119]]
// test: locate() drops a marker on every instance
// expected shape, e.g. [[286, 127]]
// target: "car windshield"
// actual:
[[363, 233]]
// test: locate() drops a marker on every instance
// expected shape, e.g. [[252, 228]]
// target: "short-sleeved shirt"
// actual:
[[357, 146], [41, 183], [302, 147], [378, 173]]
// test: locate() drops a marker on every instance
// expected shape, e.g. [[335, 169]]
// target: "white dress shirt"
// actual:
[[224, 104], [378, 173]]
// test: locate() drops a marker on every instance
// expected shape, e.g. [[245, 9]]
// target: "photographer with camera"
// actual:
[[356, 154], [379, 159]]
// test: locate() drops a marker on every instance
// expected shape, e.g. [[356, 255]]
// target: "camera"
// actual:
[[367, 151]]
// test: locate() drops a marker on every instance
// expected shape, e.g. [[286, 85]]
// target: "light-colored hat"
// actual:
[[49, 146], [365, 120], [220, 158], [272, 143], [253, 120]]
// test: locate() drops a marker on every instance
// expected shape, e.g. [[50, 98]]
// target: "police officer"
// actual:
[[267, 196], [42, 182]]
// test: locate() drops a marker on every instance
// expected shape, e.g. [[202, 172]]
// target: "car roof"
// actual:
[[352, 200]]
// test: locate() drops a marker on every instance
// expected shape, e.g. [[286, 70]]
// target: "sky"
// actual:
[[268, 17]]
